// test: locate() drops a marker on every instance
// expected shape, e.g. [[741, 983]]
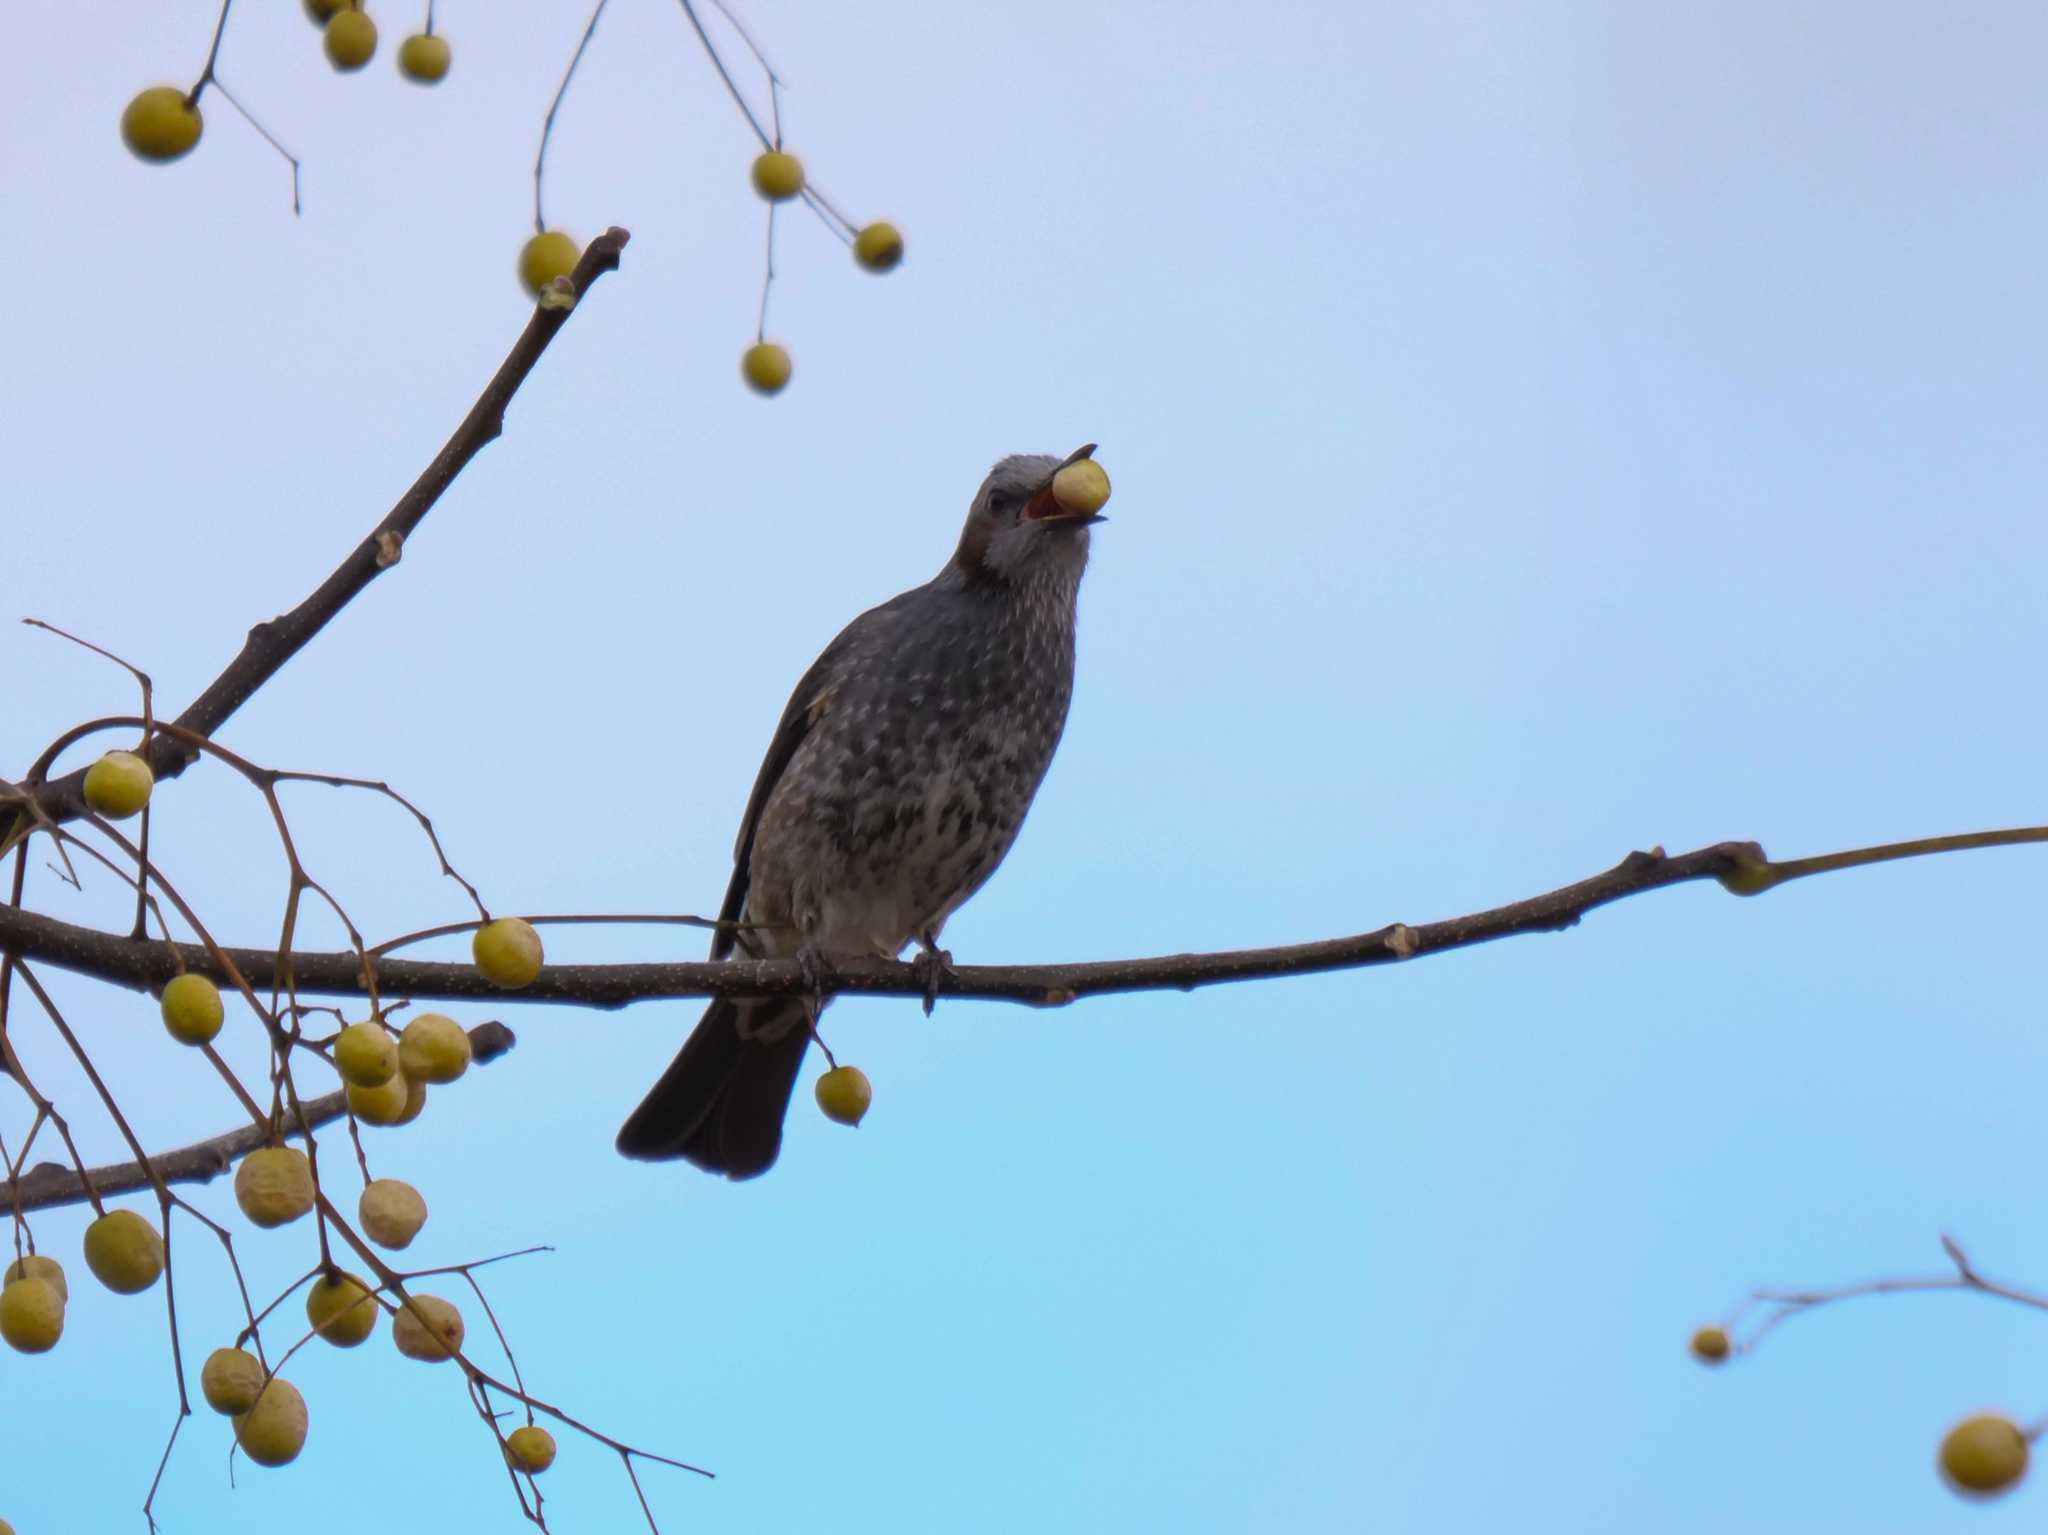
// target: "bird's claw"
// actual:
[[929, 963], [817, 970]]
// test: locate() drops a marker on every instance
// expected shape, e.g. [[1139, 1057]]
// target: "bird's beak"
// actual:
[[1043, 508]]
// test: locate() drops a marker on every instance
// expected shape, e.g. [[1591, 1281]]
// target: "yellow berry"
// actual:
[[508, 952], [434, 1049], [350, 38], [424, 57], [426, 1327], [124, 1252], [765, 366], [192, 1008], [530, 1449], [1710, 1345], [878, 247], [341, 1310], [844, 1094], [391, 1212], [544, 258], [1983, 1455], [274, 1185], [117, 786], [36, 1266], [365, 1054], [1081, 487], [397, 1102], [230, 1380], [31, 1315], [273, 1431], [778, 176], [158, 126]]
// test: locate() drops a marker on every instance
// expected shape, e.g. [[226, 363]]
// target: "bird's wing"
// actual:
[[807, 705]]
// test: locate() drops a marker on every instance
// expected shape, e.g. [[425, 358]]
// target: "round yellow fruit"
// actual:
[[124, 1252], [341, 1310], [31, 1315], [426, 1327], [434, 1049], [117, 786], [530, 1449], [230, 1380], [158, 126], [273, 1431], [1710, 1345], [844, 1094], [350, 39], [320, 12], [397, 1102], [424, 57], [778, 176], [192, 1009], [878, 247], [508, 952], [765, 366], [365, 1054], [1983, 1455], [1081, 487], [36, 1266], [544, 258], [391, 1212], [274, 1185]]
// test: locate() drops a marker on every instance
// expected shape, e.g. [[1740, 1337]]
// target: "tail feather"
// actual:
[[722, 1100]]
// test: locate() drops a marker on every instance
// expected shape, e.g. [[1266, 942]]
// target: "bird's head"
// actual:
[[1017, 531]]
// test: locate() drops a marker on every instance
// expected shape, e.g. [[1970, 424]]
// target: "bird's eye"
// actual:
[[1001, 502]]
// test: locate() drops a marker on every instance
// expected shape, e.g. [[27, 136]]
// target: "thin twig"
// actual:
[[547, 127], [275, 642]]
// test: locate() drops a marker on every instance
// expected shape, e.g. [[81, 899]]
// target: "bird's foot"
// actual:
[[929, 963], [816, 965]]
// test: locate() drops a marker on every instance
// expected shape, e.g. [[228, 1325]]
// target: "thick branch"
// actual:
[[271, 644], [52, 1183], [145, 965]]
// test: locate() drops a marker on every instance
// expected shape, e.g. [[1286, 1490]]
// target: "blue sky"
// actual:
[[1538, 433]]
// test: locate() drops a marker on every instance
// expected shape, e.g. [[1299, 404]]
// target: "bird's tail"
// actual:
[[722, 1100]]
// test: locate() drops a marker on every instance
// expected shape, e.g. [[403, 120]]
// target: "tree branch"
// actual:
[[52, 1183], [146, 965], [271, 644]]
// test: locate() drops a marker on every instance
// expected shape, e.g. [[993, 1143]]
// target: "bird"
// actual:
[[897, 779]]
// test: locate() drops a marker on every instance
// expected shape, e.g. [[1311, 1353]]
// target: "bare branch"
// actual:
[[143, 966]]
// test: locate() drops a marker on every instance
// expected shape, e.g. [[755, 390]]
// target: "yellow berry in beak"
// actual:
[[1081, 488]]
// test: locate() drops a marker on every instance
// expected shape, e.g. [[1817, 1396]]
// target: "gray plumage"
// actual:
[[899, 776]]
